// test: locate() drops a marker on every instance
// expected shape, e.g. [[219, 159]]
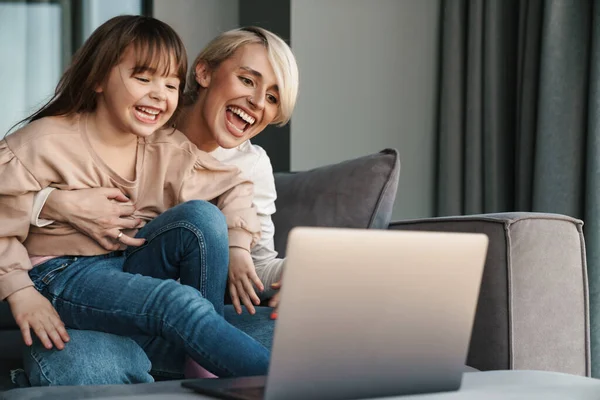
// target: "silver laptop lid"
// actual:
[[369, 313]]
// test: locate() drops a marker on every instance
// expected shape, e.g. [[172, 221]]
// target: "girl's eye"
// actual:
[[271, 99], [172, 87], [246, 81], [141, 79]]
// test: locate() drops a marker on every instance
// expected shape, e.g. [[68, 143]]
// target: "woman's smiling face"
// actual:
[[240, 96]]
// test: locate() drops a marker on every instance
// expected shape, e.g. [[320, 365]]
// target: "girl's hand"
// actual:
[[96, 212], [31, 310], [242, 275]]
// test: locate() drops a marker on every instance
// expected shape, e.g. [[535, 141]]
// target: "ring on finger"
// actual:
[[119, 235]]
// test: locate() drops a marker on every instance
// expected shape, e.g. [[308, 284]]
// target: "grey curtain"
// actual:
[[519, 115]]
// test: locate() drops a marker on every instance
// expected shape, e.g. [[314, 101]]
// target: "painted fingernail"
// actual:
[[273, 315]]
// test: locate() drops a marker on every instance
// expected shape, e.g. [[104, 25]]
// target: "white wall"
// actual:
[[197, 21], [30, 37], [368, 79], [97, 12]]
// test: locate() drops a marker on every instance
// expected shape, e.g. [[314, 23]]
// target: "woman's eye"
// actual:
[[271, 99], [246, 81]]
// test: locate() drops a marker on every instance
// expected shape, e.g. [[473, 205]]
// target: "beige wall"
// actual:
[[368, 75], [197, 21]]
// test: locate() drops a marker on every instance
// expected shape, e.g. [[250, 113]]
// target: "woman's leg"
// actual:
[[90, 358], [93, 293]]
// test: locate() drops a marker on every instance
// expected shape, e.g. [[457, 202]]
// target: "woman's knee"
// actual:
[[90, 358]]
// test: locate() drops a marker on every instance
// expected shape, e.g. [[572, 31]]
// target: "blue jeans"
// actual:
[[135, 294], [99, 358]]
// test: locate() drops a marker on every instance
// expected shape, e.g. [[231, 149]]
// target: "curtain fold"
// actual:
[[592, 192], [519, 116]]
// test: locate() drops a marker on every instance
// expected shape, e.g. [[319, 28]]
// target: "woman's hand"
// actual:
[[31, 310], [274, 302], [242, 275], [99, 213]]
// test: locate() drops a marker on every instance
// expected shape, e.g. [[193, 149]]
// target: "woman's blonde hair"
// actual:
[[280, 56]]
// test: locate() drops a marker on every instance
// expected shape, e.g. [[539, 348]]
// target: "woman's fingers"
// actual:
[[129, 241], [118, 236]]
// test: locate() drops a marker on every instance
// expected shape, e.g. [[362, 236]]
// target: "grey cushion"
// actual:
[[358, 193], [533, 304]]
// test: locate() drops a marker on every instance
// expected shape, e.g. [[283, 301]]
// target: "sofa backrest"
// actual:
[[358, 193]]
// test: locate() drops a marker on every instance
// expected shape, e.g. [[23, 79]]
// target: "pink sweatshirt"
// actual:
[[55, 151]]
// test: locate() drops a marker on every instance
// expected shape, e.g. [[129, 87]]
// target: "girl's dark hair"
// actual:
[[156, 45]]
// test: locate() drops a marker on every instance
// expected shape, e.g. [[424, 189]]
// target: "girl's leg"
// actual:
[[168, 360], [187, 242], [94, 293], [98, 358]]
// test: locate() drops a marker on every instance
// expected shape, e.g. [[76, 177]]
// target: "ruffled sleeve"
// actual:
[[225, 186], [16, 199], [14, 177]]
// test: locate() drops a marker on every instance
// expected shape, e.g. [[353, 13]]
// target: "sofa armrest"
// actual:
[[533, 304]]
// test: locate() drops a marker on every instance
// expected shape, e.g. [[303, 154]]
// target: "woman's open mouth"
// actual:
[[238, 120]]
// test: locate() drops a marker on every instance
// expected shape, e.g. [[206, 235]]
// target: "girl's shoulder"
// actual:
[[47, 128]]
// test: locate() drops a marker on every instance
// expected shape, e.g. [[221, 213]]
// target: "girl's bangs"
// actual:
[[160, 55]]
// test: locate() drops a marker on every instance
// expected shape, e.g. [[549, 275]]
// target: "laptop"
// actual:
[[368, 313]]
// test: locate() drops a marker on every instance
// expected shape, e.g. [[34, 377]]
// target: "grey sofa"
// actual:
[[533, 305]]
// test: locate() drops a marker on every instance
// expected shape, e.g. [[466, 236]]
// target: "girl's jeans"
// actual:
[[135, 294]]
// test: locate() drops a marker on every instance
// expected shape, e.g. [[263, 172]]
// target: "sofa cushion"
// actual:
[[358, 193], [532, 311]]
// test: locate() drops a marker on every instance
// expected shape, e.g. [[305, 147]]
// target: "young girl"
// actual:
[[102, 129]]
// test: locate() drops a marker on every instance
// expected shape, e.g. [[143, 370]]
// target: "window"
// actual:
[[37, 40]]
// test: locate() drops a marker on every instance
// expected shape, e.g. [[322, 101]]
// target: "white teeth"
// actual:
[[145, 115], [149, 110], [242, 114]]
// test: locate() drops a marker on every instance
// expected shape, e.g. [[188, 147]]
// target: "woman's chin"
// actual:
[[229, 141]]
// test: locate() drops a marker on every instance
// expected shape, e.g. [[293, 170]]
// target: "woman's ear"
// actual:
[[202, 74]]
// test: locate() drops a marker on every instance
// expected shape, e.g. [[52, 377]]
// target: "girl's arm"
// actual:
[[31, 310]]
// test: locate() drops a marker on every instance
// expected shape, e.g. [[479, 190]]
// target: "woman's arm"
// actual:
[[100, 213], [233, 194], [268, 266]]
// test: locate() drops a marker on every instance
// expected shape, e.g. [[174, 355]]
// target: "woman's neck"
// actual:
[[195, 128]]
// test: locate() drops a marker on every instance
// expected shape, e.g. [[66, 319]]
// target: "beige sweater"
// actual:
[[55, 151]]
